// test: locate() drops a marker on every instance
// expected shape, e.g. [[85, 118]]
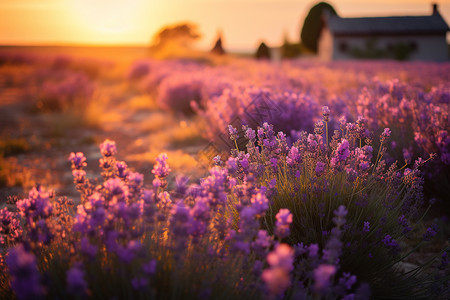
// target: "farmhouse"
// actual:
[[398, 37]]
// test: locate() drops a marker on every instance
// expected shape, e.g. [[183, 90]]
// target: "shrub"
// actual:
[[176, 93], [276, 221], [316, 175], [138, 70], [72, 92]]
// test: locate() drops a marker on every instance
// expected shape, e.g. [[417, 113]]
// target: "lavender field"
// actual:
[[124, 177]]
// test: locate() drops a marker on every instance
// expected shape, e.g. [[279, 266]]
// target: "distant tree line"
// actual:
[[179, 37]]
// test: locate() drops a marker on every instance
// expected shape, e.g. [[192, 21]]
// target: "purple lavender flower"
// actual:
[[262, 242], [320, 168], [322, 275], [277, 277], [342, 152], [363, 166], [392, 244], [217, 160], [135, 180], [282, 256], [127, 253], [294, 158], [250, 134], [139, 283], [78, 160], [343, 122], [106, 162], [138, 70], [10, 228], [284, 220], [407, 154], [233, 133], [404, 223], [161, 169], [164, 201], [76, 284], [312, 143], [274, 164], [444, 261], [122, 169], [366, 227], [318, 128], [347, 280], [79, 176], [260, 203], [36, 210], [149, 268], [431, 231], [87, 248], [340, 214], [313, 250], [326, 113], [117, 190], [108, 148], [24, 275], [385, 135], [361, 125]]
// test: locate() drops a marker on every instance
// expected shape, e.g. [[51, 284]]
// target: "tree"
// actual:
[[263, 51], [313, 25], [218, 47], [173, 39], [288, 49]]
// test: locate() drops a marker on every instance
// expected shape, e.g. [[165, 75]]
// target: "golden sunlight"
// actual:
[[109, 16]]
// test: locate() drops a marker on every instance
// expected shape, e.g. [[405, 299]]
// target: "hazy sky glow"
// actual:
[[244, 23]]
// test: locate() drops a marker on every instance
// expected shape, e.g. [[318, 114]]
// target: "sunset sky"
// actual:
[[244, 23]]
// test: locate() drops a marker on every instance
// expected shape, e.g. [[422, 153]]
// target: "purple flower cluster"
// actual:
[[10, 229], [277, 277], [284, 220], [341, 154], [36, 210], [431, 231], [24, 274], [107, 148], [392, 244], [322, 275], [76, 282], [177, 91], [309, 170], [224, 224], [69, 91]]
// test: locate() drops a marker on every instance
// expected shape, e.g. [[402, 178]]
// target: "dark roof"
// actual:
[[387, 25]]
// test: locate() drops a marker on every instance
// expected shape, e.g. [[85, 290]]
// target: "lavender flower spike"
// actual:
[[108, 148], [284, 220]]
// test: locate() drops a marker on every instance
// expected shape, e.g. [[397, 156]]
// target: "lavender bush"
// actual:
[[72, 91], [412, 99], [273, 222], [176, 93], [138, 70], [317, 174]]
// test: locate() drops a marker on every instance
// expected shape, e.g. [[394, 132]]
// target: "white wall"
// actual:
[[428, 48], [325, 45]]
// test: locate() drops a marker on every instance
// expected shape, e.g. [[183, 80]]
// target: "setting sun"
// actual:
[[109, 16]]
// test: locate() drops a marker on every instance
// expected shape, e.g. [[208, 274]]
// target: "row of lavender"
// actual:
[[411, 98], [323, 218], [52, 83]]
